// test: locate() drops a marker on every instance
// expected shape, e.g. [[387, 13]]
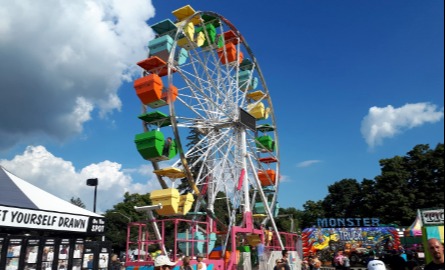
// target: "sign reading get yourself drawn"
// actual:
[[36, 219]]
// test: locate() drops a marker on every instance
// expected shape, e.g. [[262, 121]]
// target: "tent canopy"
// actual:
[[416, 228], [23, 205]]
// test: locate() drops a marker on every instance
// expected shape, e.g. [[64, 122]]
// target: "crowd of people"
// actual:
[[396, 261], [341, 261]]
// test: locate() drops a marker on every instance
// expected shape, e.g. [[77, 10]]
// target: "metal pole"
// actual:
[[125, 216], [95, 197], [266, 205], [149, 210], [247, 206]]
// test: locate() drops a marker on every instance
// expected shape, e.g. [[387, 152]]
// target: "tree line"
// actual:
[[406, 183]]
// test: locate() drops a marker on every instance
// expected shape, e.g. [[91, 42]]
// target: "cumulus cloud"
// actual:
[[381, 123], [63, 59], [308, 163], [59, 177]]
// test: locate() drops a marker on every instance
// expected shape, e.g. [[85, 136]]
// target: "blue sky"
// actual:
[[352, 82]]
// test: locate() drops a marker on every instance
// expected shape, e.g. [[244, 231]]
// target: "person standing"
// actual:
[[305, 264], [346, 263], [186, 264], [285, 256], [269, 237], [316, 263], [115, 263], [311, 262], [201, 264], [279, 265], [412, 263], [285, 259], [396, 262], [374, 263], [162, 262], [339, 260], [435, 247]]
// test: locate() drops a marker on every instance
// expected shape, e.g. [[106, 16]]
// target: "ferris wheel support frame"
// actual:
[[268, 209], [247, 225]]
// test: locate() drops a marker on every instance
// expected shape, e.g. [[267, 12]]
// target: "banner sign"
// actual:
[[42, 220], [97, 225], [347, 222], [432, 217], [351, 240]]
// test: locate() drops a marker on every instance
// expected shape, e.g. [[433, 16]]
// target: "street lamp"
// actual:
[[127, 217], [291, 218], [93, 182]]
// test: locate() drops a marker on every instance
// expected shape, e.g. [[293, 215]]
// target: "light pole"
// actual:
[[127, 217], [291, 218], [93, 182]]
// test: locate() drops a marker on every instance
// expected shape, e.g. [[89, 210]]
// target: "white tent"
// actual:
[[23, 205]]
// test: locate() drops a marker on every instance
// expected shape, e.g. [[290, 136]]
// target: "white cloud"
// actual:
[[63, 59], [308, 163], [381, 123], [285, 179], [60, 178]]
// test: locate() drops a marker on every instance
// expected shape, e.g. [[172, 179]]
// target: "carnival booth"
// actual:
[[355, 236], [433, 221], [412, 236], [41, 231], [415, 230]]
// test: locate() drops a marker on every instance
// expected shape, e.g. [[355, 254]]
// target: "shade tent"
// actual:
[[416, 228], [23, 205]]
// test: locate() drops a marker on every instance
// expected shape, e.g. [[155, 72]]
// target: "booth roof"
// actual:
[[16, 192], [416, 228]]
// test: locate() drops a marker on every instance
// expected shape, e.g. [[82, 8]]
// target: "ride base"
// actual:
[[182, 237]]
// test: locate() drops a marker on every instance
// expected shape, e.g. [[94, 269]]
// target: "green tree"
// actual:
[[367, 198], [78, 202], [426, 176], [408, 183], [392, 203], [287, 220], [120, 215], [311, 212], [342, 199]]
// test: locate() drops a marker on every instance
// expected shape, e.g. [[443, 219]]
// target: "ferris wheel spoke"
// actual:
[[206, 153], [214, 73], [205, 81], [192, 108], [212, 103], [217, 164]]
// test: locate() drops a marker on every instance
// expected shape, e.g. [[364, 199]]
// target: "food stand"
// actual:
[[433, 221], [41, 231]]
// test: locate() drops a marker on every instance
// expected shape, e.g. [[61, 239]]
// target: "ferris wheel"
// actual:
[[208, 120]]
